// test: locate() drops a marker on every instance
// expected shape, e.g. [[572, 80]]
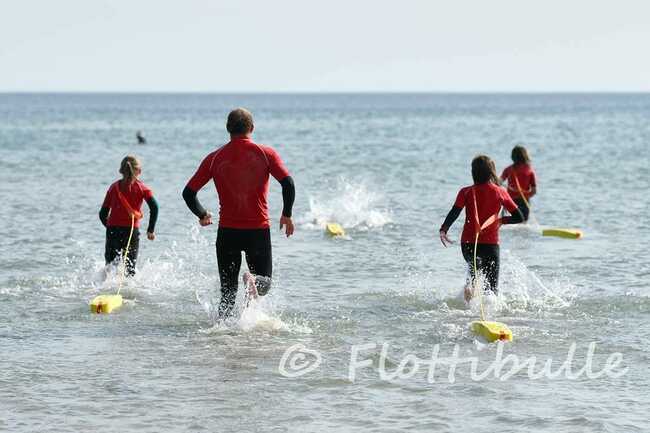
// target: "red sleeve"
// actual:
[[533, 178], [506, 201], [147, 193], [203, 174], [460, 198], [108, 197], [276, 166]]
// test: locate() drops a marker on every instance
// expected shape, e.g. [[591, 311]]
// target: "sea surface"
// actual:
[[368, 310]]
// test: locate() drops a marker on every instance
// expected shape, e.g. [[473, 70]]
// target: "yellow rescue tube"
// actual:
[[491, 331], [104, 304], [563, 233], [334, 229]]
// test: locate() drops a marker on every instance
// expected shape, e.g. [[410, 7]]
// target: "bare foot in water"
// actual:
[[249, 284], [468, 293]]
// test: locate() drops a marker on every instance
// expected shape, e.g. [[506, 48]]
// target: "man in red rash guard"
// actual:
[[240, 170]]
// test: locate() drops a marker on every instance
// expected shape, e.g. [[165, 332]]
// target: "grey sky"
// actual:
[[329, 45]]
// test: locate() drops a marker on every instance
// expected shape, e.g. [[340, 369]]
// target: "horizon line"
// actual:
[[327, 92]]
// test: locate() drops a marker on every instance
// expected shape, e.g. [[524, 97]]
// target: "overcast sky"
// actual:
[[325, 45]]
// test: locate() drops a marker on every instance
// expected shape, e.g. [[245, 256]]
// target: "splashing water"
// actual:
[[350, 204], [249, 314], [392, 282], [526, 290]]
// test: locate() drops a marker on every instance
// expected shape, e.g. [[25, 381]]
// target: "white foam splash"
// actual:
[[525, 288], [253, 317], [249, 315], [492, 304], [350, 204]]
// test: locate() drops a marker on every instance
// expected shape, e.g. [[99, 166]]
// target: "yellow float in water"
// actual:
[[491, 331], [104, 304], [334, 229], [563, 233]]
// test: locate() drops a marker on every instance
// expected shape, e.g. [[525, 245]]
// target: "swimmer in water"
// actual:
[[140, 137]]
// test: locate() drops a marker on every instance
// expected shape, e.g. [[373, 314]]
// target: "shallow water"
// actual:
[[387, 167]]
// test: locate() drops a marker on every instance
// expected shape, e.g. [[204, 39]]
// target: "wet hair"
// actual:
[[520, 155], [240, 121], [484, 170], [128, 168]]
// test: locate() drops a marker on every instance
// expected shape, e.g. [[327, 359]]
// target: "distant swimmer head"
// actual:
[[130, 168], [484, 170], [519, 155], [240, 122]]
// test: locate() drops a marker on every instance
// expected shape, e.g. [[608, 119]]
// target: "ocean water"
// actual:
[[363, 308]]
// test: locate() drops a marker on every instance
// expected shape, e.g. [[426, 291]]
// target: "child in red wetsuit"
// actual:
[[122, 208], [522, 183], [482, 202]]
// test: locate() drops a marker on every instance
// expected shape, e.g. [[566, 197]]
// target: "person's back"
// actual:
[[240, 171], [489, 201], [520, 178]]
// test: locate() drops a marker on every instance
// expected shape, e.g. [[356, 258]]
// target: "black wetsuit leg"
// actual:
[[487, 262], [256, 243], [229, 248], [259, 258], [116, 240], [523, 207]]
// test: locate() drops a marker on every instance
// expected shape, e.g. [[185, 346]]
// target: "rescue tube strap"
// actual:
[[125, 256], [477, 222], [479, 228], [521, 192], [125, 203]]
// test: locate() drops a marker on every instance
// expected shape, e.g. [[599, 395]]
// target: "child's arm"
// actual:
[[504, 175], [516, 216], [533, 184], [153, 217], [106, 208], [103, 215], [451, 217], [458, 206]]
